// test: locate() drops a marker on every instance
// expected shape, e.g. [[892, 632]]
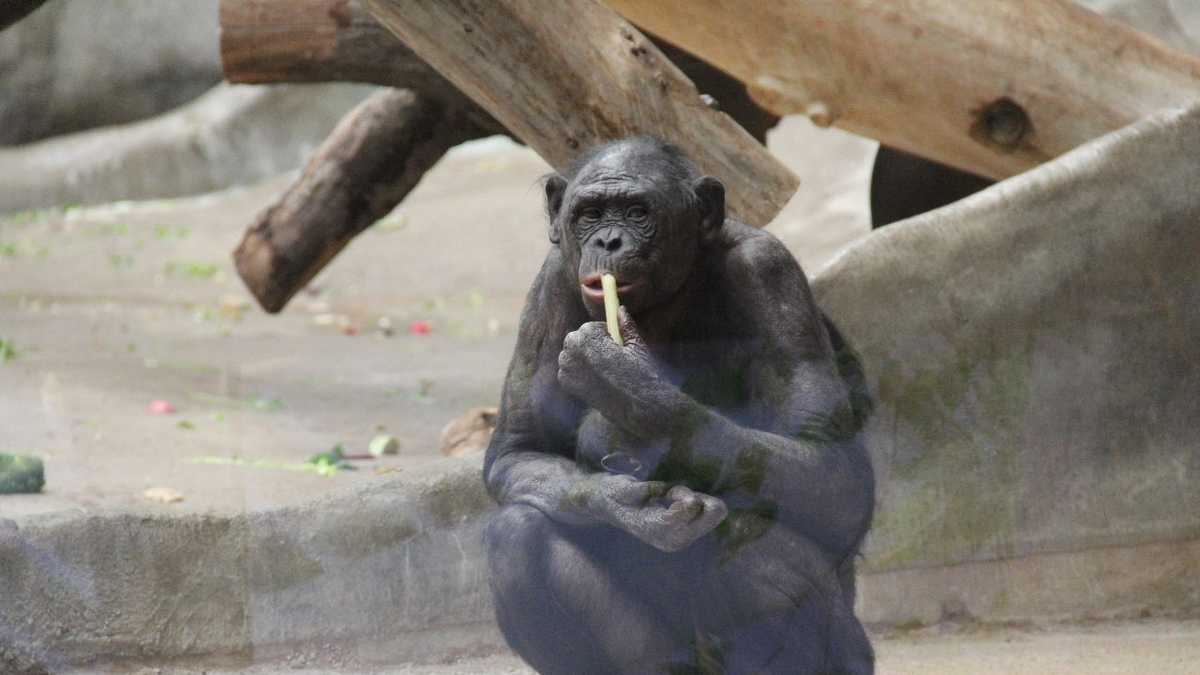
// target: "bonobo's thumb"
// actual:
[[629, 329]]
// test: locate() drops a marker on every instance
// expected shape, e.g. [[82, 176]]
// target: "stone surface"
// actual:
[[1036, 372], [230, 136], [396, 561], [71, 66]]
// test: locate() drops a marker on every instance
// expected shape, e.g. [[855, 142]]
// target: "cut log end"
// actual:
[[366, 166]]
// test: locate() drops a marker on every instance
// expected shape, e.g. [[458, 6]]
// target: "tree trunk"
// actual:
[[374, 157], [560, 95], [993, 88]]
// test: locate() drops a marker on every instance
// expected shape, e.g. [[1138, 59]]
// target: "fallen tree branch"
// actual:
[[338, 40], [374, 157], [274, 41], [607, 82]]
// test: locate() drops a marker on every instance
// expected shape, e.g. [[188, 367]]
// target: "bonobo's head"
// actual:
[[638, 209]]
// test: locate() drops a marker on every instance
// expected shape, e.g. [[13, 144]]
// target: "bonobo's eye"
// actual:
[[591, 214], [637, 212]]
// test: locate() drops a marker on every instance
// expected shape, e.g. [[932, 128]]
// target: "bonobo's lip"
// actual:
[[594, 291]]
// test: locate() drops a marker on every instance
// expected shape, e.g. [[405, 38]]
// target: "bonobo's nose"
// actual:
[[608, 239]]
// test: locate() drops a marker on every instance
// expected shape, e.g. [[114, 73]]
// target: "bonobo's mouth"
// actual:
[[594, 291]]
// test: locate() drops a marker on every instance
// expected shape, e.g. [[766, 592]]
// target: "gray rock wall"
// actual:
[[74, 65], [1033, 350], [231, 135]]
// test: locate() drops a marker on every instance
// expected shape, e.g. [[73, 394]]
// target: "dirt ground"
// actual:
[[108, 309]]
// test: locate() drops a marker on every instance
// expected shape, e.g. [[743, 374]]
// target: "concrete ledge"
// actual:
[[387, 567], [1099, 583]]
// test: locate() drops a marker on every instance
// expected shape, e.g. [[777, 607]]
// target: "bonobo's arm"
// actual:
[[530, 460], [799, 453]]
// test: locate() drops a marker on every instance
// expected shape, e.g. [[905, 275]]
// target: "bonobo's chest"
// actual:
[[712, 375]]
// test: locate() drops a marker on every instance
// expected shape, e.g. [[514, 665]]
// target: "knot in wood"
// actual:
[[1003, 123]]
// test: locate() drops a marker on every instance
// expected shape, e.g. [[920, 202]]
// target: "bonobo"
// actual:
[[692, 501]]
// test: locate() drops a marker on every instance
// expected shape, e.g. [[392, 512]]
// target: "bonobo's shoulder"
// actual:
[[750, 250]]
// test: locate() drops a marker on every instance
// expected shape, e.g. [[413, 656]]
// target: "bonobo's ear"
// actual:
[[711, 194], [556, 186]]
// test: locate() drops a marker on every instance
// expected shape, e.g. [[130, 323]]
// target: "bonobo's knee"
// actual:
[[515, 540]]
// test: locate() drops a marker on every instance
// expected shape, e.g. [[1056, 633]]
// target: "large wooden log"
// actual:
[[990, 87], [267, 41], [271, 41], [370, 161], [568, 74]]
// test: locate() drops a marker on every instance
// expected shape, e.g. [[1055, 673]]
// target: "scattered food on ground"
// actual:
[[385, 326], [161, 407], [7, 351], [257, 402], [390, 223], [163, 231], [185, 424], [233, 306], [333, 460], [192, 270], [163, 495], [305, 467], [384, 444], [21, 474], [420, 327]]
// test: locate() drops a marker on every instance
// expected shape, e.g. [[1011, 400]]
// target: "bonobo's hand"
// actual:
[[594, 369], [667, 518]]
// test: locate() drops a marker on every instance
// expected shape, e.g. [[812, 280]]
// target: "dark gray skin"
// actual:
[[731, 547]]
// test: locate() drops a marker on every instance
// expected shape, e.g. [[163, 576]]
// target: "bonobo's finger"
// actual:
[[630, 491], [654, 489], [629, 329], [714, 511], [684, 511], [680, 493], [593, 330]]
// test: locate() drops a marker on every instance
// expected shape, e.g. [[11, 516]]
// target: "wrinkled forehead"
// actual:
[[633, 165]]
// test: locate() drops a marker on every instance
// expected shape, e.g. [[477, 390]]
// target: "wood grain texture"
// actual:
[[370, 161], [565, 75], [271, 41], [926, 76]]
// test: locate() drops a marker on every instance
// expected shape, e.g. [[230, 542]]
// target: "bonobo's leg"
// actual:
[[775, 604], [583, 600]]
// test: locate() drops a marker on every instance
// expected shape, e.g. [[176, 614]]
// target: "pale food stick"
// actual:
[[611, 306]]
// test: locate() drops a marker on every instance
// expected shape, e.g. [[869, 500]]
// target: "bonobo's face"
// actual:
[[638, 214]]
